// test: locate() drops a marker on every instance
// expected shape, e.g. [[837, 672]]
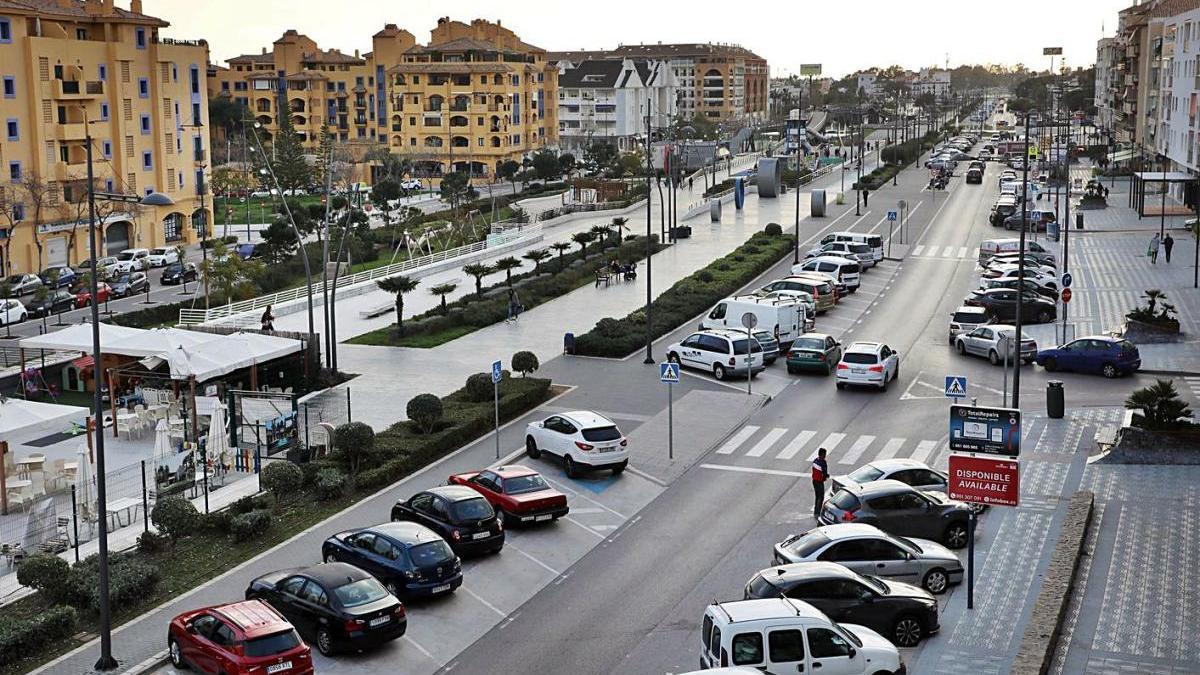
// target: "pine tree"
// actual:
[[287, 158]]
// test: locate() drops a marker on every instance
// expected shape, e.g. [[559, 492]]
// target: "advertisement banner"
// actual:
[[991, 431], [985, 480]]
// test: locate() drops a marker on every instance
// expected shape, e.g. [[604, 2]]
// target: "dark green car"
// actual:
[[814, 352]]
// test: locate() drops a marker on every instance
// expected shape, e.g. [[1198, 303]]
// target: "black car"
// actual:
[[410, 559], [1029, 286], [337, 605], [903, 613], [1001, 303], [56, 301], [178, 273], [130, 283], [458, 514]]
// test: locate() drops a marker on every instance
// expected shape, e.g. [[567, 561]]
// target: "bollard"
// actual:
[[1055, 400], [1079, 221]]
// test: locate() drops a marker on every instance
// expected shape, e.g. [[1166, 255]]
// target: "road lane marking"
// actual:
[[642, 474], [831, 441], [890, 448], [948, 252], [749, 469], [923, 450], [766, 442], [789, 451], [856, 450], [740, 437], [485, 603], [918, 249], [962, 252]]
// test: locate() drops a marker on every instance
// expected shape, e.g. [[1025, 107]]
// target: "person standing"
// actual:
[[268, 320], [1153, 250], [1168, 244], [820, 474], [514, 305]]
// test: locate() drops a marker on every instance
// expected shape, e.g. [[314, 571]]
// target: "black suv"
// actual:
[[458, 514], [900, 509]]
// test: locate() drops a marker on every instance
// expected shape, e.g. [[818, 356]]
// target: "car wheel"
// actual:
[[994, 357], [673, 357], [719, 371], [325, 642], [1110, 371], [618, 468], [570, 467], [961, 347], [1051, 364], [393, 588], [531, 448], [884, 386], [907, 632], [1043, 316], [176, 654], [955, 536], [793, 371], [840, 386], [936, 581], [330, 557]]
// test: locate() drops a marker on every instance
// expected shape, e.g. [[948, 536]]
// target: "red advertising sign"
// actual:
[[985, 480]]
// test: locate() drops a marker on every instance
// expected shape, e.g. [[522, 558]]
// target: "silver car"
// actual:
[[993, 340], [965, 319], [900, 509], [23, 284], [866, 549]]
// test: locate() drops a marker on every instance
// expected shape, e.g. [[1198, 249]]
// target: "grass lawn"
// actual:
[[383, 337], [260, 209]]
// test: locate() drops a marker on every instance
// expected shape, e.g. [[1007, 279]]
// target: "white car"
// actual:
[[721, 352], [161, 257], [871, 364], [12, 311], [911, 472], [582, 439], [1032, 273], [411, 183], [846, 249], [132, 260]]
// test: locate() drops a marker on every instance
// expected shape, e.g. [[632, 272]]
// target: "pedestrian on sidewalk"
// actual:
[[514, 305], [268, 320], [1153, 250], [820, 474], [1168, 244]]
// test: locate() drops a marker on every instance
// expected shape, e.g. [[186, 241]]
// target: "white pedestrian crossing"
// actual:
[[917, 251], [856, 449], [736, 441], [948, 252], [923, 450], [796, 445], [831, 441], [942, 252], [890, 448], [766, 442], [962, 252]]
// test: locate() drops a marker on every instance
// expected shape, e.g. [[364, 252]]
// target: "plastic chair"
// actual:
[[124, 427]]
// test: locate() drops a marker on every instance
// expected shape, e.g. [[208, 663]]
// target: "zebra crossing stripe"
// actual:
[[740, 437], [923, 450], [856, 450], [831, 441], [766, 442], [948, 252], [890, 448], [796, 445], [918, 249], [962, 252]]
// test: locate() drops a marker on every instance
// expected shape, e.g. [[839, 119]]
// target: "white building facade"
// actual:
[[932, 81], [605, 101]]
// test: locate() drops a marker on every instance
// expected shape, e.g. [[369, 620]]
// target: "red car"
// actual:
[[83, 297], [241, 638], [519, 494]]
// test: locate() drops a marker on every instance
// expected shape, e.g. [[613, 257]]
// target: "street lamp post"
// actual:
[[106, 660], [649, 247]]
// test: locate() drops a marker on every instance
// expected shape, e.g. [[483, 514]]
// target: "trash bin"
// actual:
[[1055, 401], [817, 204], [569, 343], [1079, 221]]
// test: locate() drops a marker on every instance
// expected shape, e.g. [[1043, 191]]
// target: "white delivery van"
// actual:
[[844, 270], [786, 318], [875, 241]]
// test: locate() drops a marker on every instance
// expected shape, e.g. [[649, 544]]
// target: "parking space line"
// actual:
[[571, 520], [582, 496], [766, 442], [642, 474], [485, 603], [535, 560], [750, 469], [416, 645]]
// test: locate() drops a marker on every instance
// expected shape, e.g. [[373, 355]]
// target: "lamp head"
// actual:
[[157, 199]]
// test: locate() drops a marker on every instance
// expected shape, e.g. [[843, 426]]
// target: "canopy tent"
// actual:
[[230, 353], [22, 420], [77, 338]]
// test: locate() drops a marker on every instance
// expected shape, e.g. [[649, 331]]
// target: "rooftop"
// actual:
[[770, 608]]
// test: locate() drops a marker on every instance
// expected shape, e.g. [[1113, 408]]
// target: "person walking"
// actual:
[[820, 474], [1153, 250], [866, 194], [1168, 244], [514, 305], [268, 320]]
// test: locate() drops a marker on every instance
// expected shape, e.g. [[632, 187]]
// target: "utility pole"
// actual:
[[1016, 392], [649, 245]]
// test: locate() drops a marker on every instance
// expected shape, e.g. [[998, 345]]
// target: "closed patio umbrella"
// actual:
[[162, 439], [218, 436]]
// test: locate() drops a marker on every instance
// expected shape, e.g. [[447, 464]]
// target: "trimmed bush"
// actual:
[[525, 363], [217, 521], [479, 387], [20, 637], [47, 574], [310, 470], [773, 229], [353, 440], [152, 543], [175, 517], [425, 410], [282, 479], [129, 580], [330, 484], [251, 525], [249, 503]]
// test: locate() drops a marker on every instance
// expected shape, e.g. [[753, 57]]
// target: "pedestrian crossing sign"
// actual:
[[668, 373], [956, 387]]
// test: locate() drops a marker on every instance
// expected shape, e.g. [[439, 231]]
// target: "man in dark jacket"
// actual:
[[820, 474]]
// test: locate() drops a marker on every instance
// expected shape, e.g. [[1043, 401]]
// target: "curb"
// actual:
[[149, 665], [1036, 653], [1171, 373]]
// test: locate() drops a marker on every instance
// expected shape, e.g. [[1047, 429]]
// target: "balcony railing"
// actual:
[[75, 88]]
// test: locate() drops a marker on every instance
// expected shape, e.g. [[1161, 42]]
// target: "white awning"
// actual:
[[219, 357], [1120, 156], [22, 420], [1165, 176], [78, 338]]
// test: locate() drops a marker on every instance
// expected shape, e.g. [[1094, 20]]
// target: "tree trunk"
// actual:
[[399, 311], [479, 286], [508, 278], [444, 310]]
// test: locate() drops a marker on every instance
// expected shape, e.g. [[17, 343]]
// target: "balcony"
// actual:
[[70, 132], [76, 90], [454, 107]]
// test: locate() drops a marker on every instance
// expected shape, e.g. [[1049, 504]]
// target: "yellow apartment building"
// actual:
[[70, 67]]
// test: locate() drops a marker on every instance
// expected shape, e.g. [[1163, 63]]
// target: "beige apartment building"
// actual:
[[71, 67]]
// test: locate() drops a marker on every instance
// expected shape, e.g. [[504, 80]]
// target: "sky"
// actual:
[[844, 36]]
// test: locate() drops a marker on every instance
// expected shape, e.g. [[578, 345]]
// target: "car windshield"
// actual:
[[910, 544], [860, 357], [1127, 346], [532, 483], [470, 510], [968, 317], [809, 543], [432, 553], [16, 279], [174, 267], [361, 592], [809, 343], [123, 279], [270, 645], [761, 588], [739, 347], [158, 251], [874, 582], [598, 434], [866, 474]]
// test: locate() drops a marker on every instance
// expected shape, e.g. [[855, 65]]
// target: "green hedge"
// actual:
[[20, 638], [687, 298], [129, 579]]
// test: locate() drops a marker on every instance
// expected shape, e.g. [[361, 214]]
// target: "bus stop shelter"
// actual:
[[1164, 180]]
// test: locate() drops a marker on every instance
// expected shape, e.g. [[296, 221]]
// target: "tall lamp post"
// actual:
[[649, 246], [106, 660]]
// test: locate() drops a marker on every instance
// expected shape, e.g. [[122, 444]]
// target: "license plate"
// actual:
[[858, 371], [279, 667], [608, 448], [441, 589], [380, 620], [544, 516], [480, 535]]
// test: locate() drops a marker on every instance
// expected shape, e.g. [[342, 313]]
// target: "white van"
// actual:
[[784, 317], [781, 635], [844, 270], [990, 247], [875, 241]]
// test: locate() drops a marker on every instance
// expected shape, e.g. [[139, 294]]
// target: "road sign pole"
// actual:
[[971, 559], [496, 398], [749, 361], [670, 421], [889, 238]]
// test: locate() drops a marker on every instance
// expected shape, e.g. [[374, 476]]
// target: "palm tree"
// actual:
[[398, 285], [536, 256], [562, 247], [443, 290], [479, 271], [583, 239], [601, 233], [619, 226], [1160, 405], [507, 264]]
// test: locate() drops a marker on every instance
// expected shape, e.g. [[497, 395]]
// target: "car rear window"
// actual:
[[860, 248], [844, 500], [968, 317], [875, 242], [469, 510], [809, 343], [739, 347], [431, 553], [1127, 346], [760, 588], [608, 433], [533, 482], [361, 592], [860, 357], [270, 645], [866, 474]]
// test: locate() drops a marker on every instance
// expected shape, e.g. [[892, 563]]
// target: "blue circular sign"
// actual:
[[1066, 279]]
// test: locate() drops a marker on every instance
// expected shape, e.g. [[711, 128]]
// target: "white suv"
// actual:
[[161, 257], [721, 352], [583, 439], [133, 260], [872, 364], [781, 635]]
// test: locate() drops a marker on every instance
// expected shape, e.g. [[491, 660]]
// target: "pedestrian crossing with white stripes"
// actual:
[[1193, 383], [942, 252], [780, 444]]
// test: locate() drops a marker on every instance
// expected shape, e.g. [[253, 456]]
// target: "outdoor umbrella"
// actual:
[[162, 439], [218, 436], [83, 487]]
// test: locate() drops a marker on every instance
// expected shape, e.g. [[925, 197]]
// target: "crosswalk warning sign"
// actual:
[[956, 387]]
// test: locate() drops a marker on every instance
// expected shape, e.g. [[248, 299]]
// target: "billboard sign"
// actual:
[[812, 69], [990, 431], [985, 480]]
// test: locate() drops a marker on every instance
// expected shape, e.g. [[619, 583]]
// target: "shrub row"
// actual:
[[78, 586], [687, 298], [20, 638]]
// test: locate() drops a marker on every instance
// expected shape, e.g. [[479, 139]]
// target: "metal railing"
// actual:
[[241, 312]]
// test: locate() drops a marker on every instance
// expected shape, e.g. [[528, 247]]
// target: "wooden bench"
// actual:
[[604, 276], [1106, 436]]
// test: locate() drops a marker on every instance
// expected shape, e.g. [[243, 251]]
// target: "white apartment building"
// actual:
[[1179, 85], [867, 84], [604, 100], [932, 81], [1108, 79]]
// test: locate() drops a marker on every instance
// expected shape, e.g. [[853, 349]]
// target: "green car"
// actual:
[[814, 351]]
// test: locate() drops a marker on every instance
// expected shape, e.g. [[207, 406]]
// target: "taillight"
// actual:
[[842, 366], [455, 535], [352, 625], [624, 442], [848, 516], [820, 356], [583, 446], [499, 525], [399, 610], [876, 369]]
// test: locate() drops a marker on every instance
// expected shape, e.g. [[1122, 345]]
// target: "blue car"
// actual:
[[409, 559], [1101, 354]]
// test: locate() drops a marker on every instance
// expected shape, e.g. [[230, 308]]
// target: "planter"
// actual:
[[681, 232], [1144, 446], [1144, 332]]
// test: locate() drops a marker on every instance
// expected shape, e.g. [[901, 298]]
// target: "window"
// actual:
[[107, 149], [315, 594], [147, 160], [824, 644], [103, 72], [145, 124], [786, 645], [223, 635], [5, 30], [205, 624], [292, 586], [13, 129], [140, 37], [194, 74], [10, 86], [385, 549], [14, 171], [104, 112], [18, 212], [747, 649]]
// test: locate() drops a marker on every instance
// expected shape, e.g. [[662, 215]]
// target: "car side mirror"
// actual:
[[191, 628], [853, 652]]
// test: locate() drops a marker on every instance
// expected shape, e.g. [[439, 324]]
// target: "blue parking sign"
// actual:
[[497, 370]]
